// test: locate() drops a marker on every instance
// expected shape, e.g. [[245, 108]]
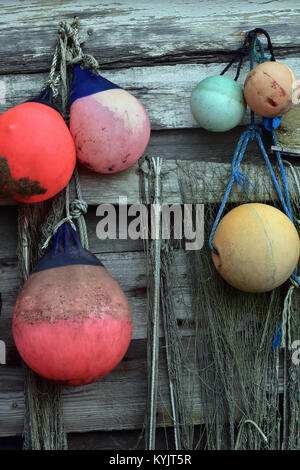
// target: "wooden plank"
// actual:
[[286, 151], [210, 179], [124, 33], [115, 402], [165, 91], [9, 234], [201, 145], [184, 144], [11, 401]]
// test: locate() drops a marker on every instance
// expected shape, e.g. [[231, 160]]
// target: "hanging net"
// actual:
[[238, 361], [223, 373]]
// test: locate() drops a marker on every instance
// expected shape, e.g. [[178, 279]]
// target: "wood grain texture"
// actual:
[[115, 402], [165, 91], [125, 32], [210, 181], [9, 235]]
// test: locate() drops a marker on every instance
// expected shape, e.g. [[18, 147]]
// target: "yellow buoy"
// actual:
[[258, 247]]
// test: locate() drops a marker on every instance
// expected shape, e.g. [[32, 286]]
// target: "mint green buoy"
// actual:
[[218, 103]]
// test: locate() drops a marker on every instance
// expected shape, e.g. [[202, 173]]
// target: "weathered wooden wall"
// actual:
[[159, 51]]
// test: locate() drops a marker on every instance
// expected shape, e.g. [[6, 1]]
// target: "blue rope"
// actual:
[[254, 132], [283, 175], [260, 56], [236, 175], [277, 337]]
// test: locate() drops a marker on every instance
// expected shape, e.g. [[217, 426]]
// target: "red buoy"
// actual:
[[110, 127], [71, 322], [37, 152]]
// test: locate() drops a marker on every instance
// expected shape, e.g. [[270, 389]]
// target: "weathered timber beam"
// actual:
[[209, 179], [165, 91], [115, 402], [125, 32]]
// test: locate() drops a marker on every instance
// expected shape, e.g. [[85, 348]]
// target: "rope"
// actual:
[[254, 132], [54, 78], [78, 208], [260, 55], [68, 52], [286, 318], [68, 219], [43, 421], [240, 432], [74, 39], [246, 49], [157, 164]]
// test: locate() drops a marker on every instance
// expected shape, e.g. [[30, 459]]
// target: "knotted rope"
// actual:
[[68, 52], [78, 208], [75, 211]]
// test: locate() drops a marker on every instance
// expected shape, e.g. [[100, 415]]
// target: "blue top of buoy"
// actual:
[[85, 82], [66, 251], [45, 97]]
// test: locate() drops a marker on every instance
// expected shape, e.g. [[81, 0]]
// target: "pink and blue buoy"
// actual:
[[110, 127]]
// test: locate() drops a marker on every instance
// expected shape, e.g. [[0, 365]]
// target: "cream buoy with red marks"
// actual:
[[270, 89]]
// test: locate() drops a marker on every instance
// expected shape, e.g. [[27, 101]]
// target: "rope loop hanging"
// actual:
[[247, 48]]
